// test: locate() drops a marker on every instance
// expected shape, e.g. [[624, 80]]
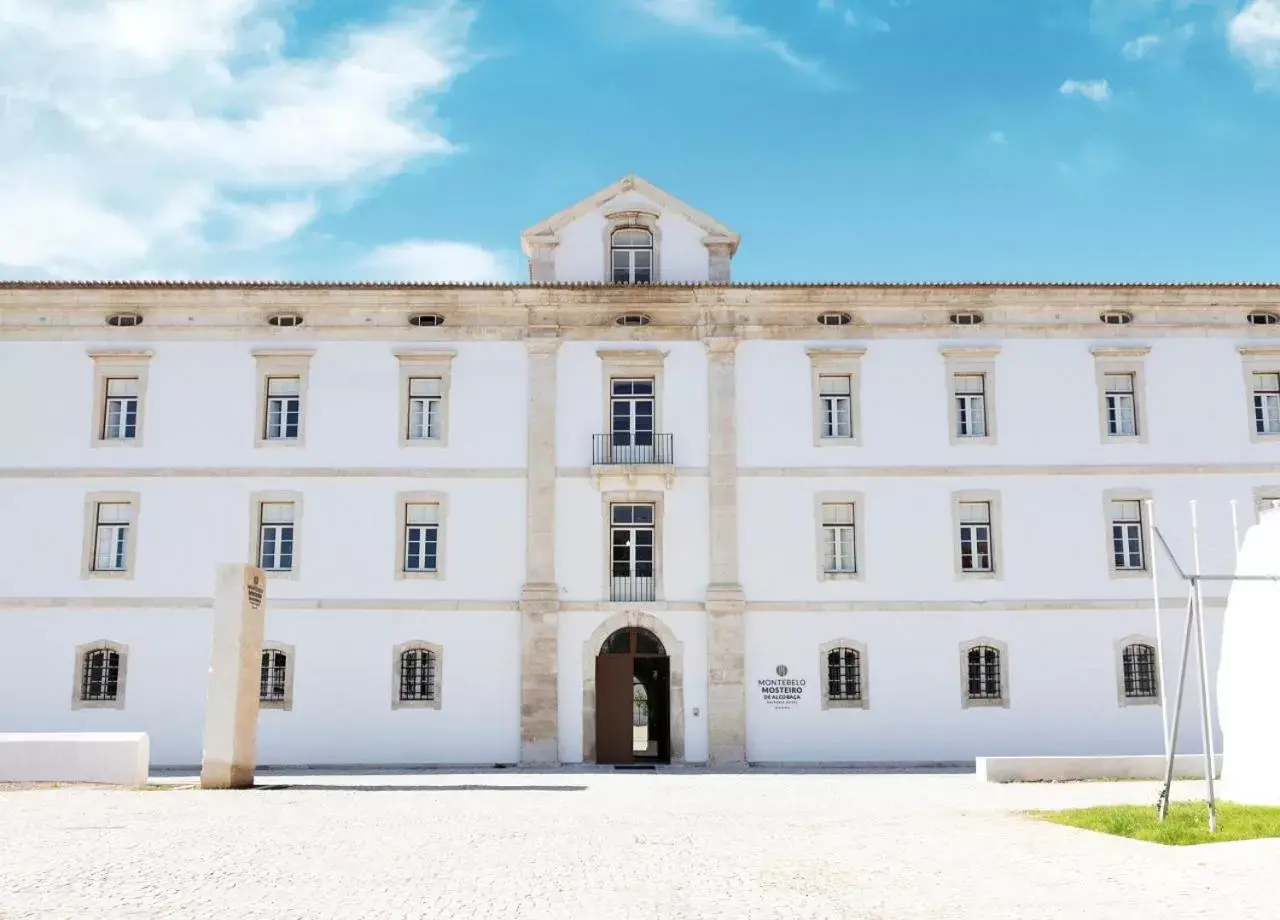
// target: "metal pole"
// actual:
[[1155, 603], [1202, 661], [1177, 710]]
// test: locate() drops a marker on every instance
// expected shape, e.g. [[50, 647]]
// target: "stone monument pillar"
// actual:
[[231, 704], [1248, 695]]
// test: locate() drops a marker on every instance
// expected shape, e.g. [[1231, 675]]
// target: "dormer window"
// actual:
[[631, 252]]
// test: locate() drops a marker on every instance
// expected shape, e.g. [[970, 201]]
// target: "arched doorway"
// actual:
[[633, 699]]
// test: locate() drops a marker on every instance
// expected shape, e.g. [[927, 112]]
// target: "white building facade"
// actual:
[[843, 523]]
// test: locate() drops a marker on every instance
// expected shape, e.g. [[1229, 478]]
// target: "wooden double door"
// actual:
[[633, 699]]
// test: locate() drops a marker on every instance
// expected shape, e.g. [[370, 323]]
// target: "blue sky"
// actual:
[[846, 140]]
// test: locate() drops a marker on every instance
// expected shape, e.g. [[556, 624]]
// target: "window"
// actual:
[[1139, 672], [970, 405], [282, 395], [1119, 371], [844, 676], [836, 376], [632, 552], [421, 537], [424, 408], [975, 537], [1266, 403], [838, 538], [275, 537], [284, 408], [966, 318], [631, 251], [1262, 318], [417, 676], [275, 680], [970, 375], [424, 391], [99, 676], [109, 539], [632, 408], [984, 679], [120, 382], [1128, 552], [1122, 412]]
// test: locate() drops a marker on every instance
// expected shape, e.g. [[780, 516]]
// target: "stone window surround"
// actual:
[[111, 364], [91, 502], [281, 362], [77, 675], [632, 497], [1129, 360], [836, 362], [1264, 494], [1143, 496], [859, 545], [267, 497], [1120, 646], [992, 498], [1257, 359], [639, 218], [438, 684], [435, 362], [675, 655], [420, 498], [971, 360], [633, 363], [290, 662], [1003, 650], [863, 675]]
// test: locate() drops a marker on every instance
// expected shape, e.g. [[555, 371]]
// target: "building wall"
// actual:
[[582, 253]]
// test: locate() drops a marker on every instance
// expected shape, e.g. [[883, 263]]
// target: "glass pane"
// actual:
[[421, 514], [424, 386], [648, 644], [277, 512], [833, 386], [122, 386], [283, 386], [617, 644]]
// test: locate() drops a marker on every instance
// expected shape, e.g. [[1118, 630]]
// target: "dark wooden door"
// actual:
[[614, 701]]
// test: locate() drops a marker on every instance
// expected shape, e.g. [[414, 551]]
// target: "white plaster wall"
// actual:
[[202, 411], [575, 629], [1062, 680], [342, 686], [582, 256]]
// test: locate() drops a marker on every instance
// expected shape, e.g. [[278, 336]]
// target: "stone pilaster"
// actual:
[[230, 755], [720, 256], [540, 599], [726, 688], [542, 259]]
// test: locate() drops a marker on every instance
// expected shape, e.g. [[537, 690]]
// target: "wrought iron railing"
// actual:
[[622, 449], [632, 588]]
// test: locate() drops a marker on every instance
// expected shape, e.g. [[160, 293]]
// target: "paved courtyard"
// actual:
[[600, 846]]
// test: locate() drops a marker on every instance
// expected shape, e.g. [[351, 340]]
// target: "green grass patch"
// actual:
[[1187, 822]]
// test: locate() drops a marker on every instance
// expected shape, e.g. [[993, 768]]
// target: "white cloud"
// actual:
[[1140, 47], [433, 260], [998, 137], [711, 18], [1095, 90], [1254, 34], [137, 133]]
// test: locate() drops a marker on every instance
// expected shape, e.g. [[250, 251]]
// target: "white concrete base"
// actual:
[[119, 758], [1060, 769]]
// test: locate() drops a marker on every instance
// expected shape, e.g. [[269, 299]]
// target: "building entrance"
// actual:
[[633, 699]]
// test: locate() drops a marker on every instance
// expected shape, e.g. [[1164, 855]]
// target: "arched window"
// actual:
[[275, 679], [418, 667], [844, 675], [100, 675], [631, 255], [1139, 671], [984, 674]]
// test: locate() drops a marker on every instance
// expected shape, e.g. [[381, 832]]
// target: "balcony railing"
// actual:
[[622, 449], [632, 588]]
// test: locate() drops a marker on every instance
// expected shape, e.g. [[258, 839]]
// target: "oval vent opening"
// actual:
[[426, 319], [285, 320], [834, 319], [966, 318], [633, 319], [1263, 318], [124, 319], [1116, 317]]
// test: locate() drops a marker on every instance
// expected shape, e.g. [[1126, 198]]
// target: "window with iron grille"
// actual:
[[99, 675], [425, 400], [844, 675], [835, 405], [1122, 407], [1140, 675], [631, 418], [276, 537], [631, 252], [632, 537], [1266, 403], [417, 675], [120, 410], [112, 522], [839, 543], [971, 405], [273, 683], [1127, 550], [975, 537], [984, 678], [284, 408], [421, 537]]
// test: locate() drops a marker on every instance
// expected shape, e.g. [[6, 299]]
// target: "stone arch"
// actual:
[[675, 653]]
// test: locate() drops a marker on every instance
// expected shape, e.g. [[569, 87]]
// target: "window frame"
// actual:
[[607, 501], [1141, 496], [967, 361], [864, 675], [403, 500], [1131, 361], [1262, 359], [1264, 494], [632, 364], [118, 364], [992, 499], [77, 675], [1002, 649], [633, 219], [290, 665], [859, 544], [1123, 698], [256, 501], [276, 363], [437, 682], [836, 362], [434, 363], [89, 554]]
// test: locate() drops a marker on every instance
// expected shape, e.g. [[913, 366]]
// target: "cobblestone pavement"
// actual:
[[608, 846]]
